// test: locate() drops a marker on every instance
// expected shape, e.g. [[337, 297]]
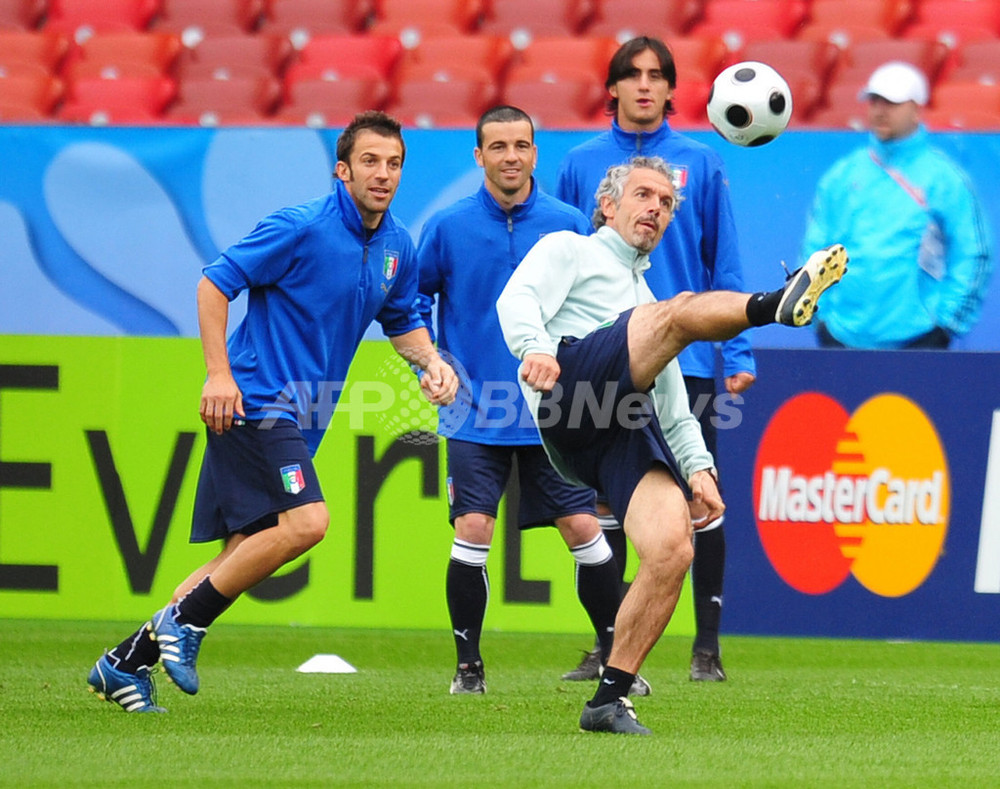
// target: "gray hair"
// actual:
[[613, 183]]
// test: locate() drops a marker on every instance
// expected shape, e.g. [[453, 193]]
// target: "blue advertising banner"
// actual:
[[863, 494], [106, 229]]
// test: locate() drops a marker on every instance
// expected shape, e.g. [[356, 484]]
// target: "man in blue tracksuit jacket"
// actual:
[[466, 254], [317, 275], [698, 252], [920, 254]]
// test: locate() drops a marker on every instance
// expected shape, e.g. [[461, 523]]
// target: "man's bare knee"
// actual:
[[307, 525], [578, 529], [475, 527]]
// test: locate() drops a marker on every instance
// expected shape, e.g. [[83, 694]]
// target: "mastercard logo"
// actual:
[[865, 494]]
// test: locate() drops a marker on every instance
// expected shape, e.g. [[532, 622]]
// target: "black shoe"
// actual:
[[588, 670], [617, 717], [470, 678], [707, 667], [805, 285]]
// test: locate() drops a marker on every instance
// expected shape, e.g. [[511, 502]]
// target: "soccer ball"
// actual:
[[750, 104]]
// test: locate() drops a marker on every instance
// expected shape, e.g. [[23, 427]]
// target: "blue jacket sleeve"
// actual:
[[399, 313], [968, 263], [431, 282]]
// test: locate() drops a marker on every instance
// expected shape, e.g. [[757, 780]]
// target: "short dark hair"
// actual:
[[371, 120], [620, 66], [503, 113]]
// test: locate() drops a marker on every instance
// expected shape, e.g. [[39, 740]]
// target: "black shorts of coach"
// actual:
[[478, 475], [604, 450], [250, 473]]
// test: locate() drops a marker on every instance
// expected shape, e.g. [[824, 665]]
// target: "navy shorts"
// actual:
[[248, 476], [478, 474], [604, 450]]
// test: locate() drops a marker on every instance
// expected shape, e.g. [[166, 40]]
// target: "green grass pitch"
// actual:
[[795, 713]]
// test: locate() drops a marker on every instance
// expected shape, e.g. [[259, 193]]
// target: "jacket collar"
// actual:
[[638, 142], [623, 252], [493, 208], [352, 217], [899, 150]]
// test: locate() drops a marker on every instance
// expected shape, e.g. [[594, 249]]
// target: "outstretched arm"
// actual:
[[221, 398]]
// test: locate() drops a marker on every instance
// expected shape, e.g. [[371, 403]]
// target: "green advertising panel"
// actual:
[[100, 446]]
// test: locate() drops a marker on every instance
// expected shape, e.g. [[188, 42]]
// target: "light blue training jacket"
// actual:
[[887, 298]]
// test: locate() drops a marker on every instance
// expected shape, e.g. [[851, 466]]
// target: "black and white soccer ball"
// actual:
[[750, 104]]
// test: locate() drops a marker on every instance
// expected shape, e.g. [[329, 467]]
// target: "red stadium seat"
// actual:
[[22, 14], [425, 17], [318, 102], [450, 58], [625, 19], [210, 102], [859, 60], [552, 58], [306, 18], [229, 57], [699, 58], [120, 54], [805, 65], [977, 61], [29, 97], [430, 103], [210, 17], [338, 57], [956, 21], [966, 99], [558, 105], [126, 100], [739, 21], [552, 18], [31, 53], [847, 21], [841, 108], [82, 18], [690, 101]]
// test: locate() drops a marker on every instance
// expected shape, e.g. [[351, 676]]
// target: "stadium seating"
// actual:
[[117, 101], [429, 103], [977, 61], [552, 18], [955, 21], [209, 102], [21, 14], [699, 58], [559, 57], [23, 53], [28, 97], [425, 18], [625, 19], [319, 102], [210, 17], [450, 58], [82, 18], [124, 54], [555, 105], [303, 19], [739, 21], [959, 99], [847, 21], [342, 57], [235, 56], [859, 60]]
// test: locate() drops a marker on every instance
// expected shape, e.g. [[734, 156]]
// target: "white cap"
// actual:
[[896, 82]]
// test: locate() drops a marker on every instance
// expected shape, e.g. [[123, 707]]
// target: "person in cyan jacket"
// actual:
[[920, 250]]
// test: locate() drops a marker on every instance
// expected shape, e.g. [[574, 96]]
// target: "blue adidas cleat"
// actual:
[[132, 692], [179, 645]]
